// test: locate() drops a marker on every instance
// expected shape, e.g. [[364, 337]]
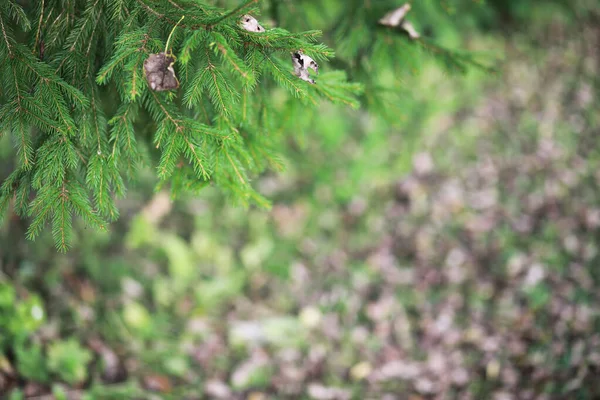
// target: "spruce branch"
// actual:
[[24, 148], [194, 155], [236, 11], [62, 227], [5, 36], [39, 28], [285, 78], [453, 59], [17, 13], [122, 135], [151, 10], [219, 89], [71, 158], [235, 168], [40, 210], [229, 56]]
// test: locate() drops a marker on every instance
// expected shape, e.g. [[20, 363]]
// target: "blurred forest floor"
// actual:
[[470, 274]]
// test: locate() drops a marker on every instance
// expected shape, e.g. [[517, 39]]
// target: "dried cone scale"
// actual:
[[160, 73]]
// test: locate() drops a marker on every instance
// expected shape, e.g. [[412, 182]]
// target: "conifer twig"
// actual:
[[37, 34], [8, 46], [153, 11], [235, 11], [175, 5]]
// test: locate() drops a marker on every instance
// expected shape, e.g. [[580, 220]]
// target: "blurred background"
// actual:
[[442, 242]]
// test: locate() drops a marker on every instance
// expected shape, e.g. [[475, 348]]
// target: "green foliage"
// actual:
[[85, 125], [137, 318], [31, 363], [18, 317], [68, 360], [465, 273], [16, 395], [75, 102]]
